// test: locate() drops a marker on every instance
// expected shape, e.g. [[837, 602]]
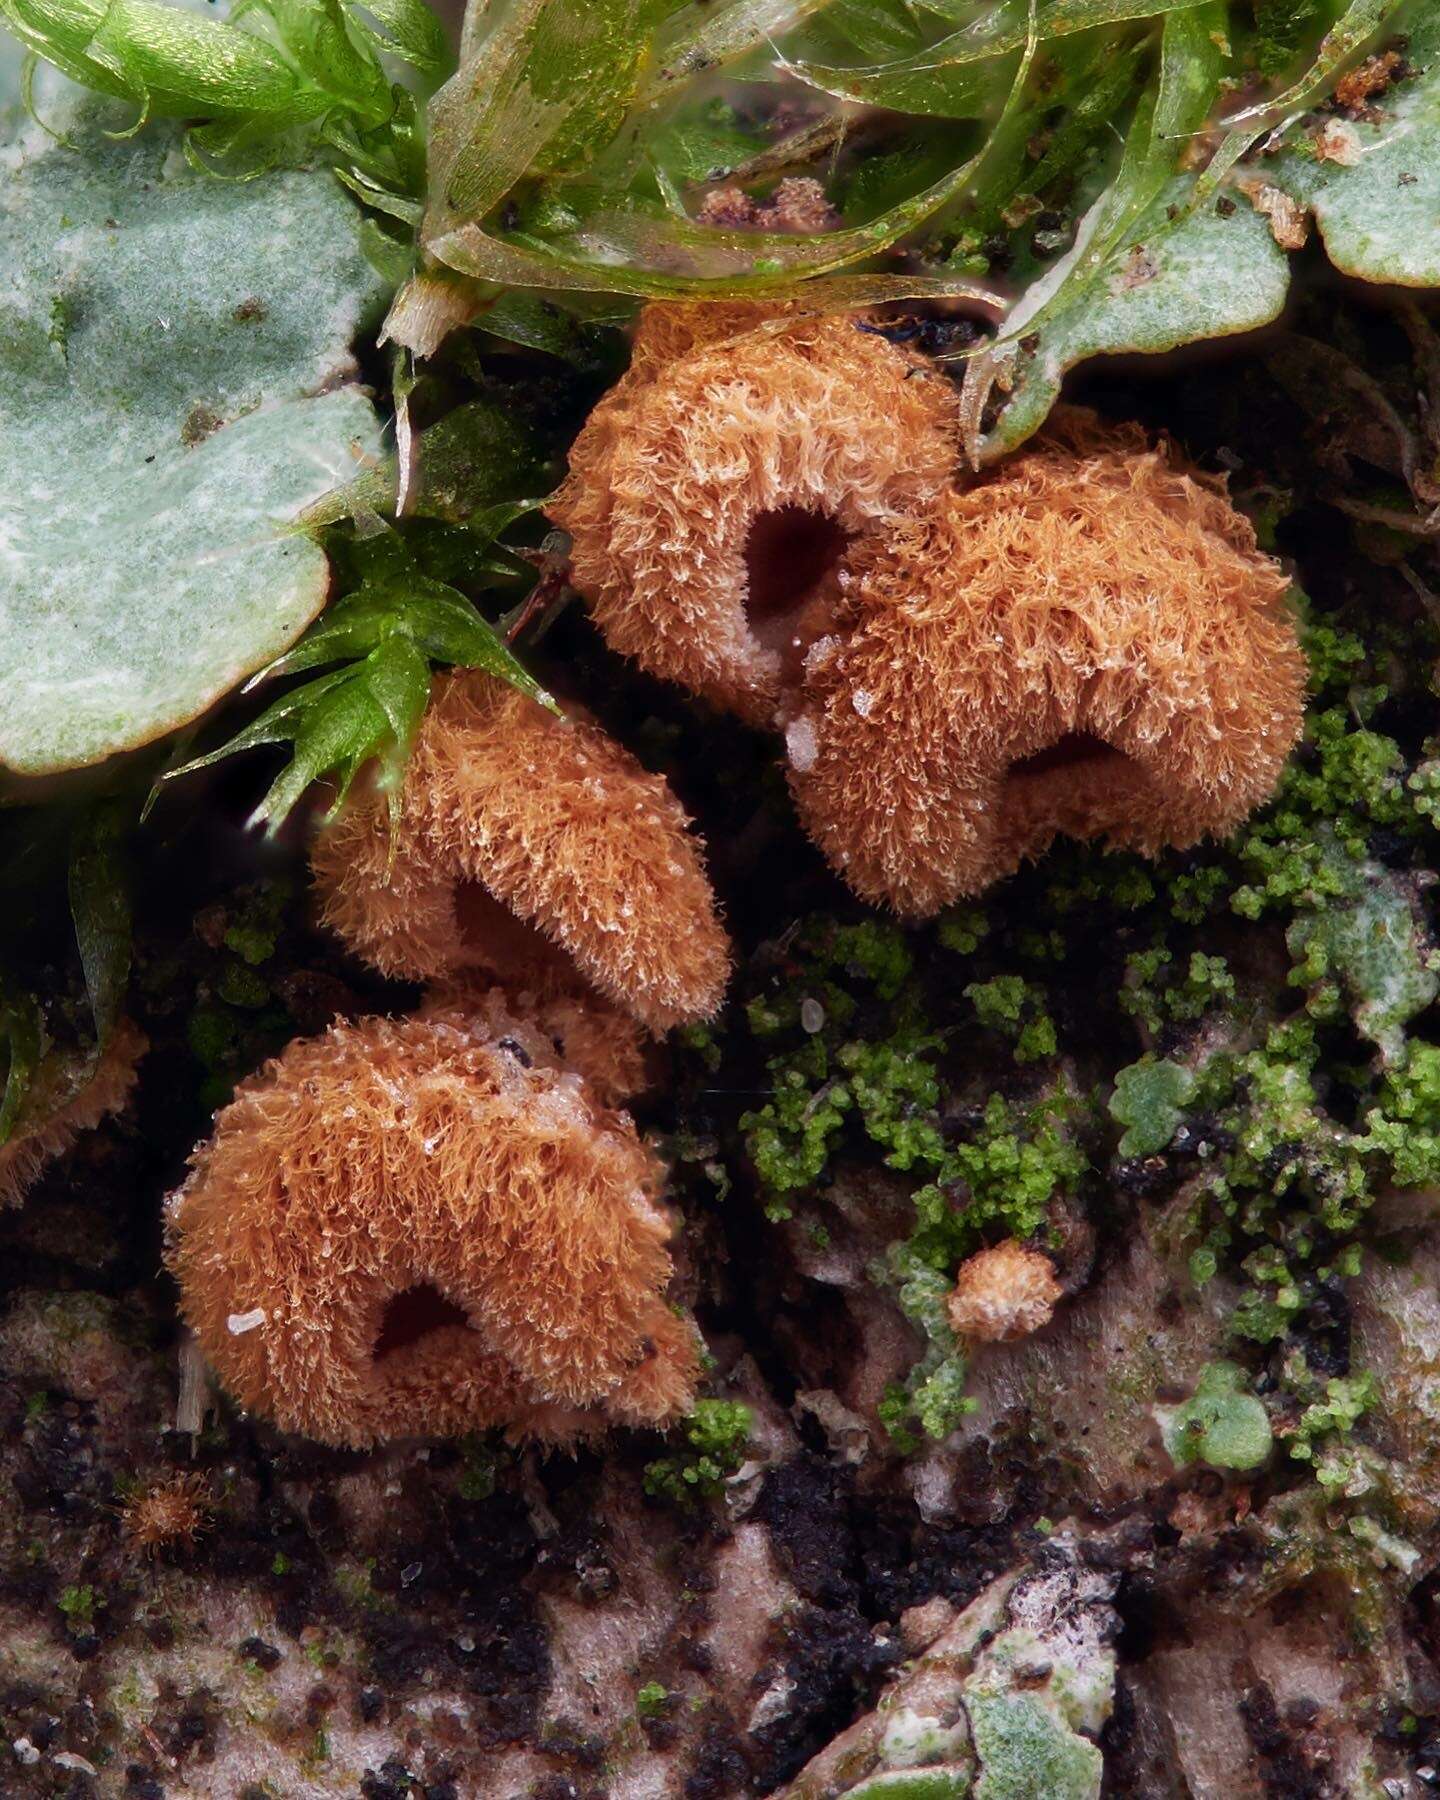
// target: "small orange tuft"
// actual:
[[55, 1112], [1003, 1293], [1087, 643], [719, 495], [403, 1227], [528, 848], [168, 1515]]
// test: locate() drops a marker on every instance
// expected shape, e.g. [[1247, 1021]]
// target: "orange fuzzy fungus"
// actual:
[[400, 1227], [1087, 643], [56, 1112], [170, 1514], [529, 848], [719, 495], [1002, 1294]]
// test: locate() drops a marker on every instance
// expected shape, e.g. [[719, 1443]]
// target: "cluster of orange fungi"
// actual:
[[445, 1222], [767, 509]]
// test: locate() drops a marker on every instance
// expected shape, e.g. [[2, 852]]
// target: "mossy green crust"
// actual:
[[1149, 1099], [1156, 995], [994, 1175], [715, 1434], [1027, 1754], [915, 1784], [1015, 1007]]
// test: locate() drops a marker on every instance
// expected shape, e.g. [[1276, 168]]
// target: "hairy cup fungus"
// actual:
[[56, 1113], [1003, 1293], [720, 493], [1086, 643], [402, 1227], [530, 850]]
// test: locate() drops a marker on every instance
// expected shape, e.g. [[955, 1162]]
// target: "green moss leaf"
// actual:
[[388, 634], [716, 1433], [1149, 1099], [411, 27], [951, 78], [1377, 206], [1220, 1424], [1172, 277], [164, 340]]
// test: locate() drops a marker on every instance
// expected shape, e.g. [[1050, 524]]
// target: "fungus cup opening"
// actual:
[[715, 492], [1081, 786], [509, 947], [1086, 643], [793, 556], [412, 1315], [1075, 752], [507, 861]]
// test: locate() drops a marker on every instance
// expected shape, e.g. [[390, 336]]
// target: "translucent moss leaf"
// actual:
[[872, 30], [469, 461], [164, 57], [527, 100], [49, 92], [164, 340], [186, 59], [542, 87], [947, 79], [703, 35], [706, 143], [573, 334], [412, 28], [1375, 193]]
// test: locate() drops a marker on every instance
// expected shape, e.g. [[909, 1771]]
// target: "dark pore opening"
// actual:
[[506, 944], [413, 1314], [789, 553], [1076, 750]]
